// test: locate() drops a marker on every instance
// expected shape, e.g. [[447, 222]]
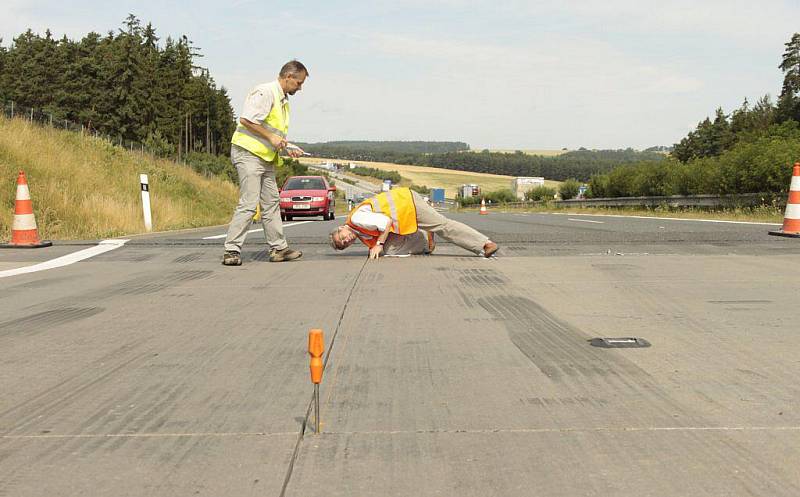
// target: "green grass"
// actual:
[[85, 188]]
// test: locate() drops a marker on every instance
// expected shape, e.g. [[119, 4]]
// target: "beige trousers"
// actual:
[[256, 185]]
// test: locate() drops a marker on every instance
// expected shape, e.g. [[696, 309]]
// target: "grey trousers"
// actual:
[[413, 244], [460, 234], [256, 185]]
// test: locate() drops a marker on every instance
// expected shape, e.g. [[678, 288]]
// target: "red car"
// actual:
[[307, 196]]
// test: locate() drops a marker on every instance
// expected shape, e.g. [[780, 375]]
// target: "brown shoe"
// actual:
[[231, 258], [431, 242], [284, 255], [489, 249]]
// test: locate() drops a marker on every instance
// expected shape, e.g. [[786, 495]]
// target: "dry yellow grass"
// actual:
[[85, 188], [434, 177]]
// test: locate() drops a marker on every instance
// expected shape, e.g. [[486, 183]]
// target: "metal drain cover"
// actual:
[[619, 343]]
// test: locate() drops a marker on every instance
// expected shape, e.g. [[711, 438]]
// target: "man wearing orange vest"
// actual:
[[402, 212], [256, 146]]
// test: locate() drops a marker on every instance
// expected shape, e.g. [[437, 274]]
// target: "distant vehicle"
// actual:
[[437, 195], [304, 196], [471, 190], [360, 197]]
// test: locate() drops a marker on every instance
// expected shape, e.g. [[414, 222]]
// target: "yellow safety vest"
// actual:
[[398, 205], [277, 121]]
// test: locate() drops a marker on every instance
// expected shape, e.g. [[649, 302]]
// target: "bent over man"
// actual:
[[403, 212], [255, 152]]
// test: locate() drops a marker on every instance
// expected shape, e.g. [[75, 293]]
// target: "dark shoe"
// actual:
[[231, 258], [284, 255], [489, 249]]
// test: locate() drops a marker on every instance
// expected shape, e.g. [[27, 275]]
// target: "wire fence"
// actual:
[[42, 117]]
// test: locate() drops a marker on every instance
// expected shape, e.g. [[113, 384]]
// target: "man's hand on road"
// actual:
[[375, 251]]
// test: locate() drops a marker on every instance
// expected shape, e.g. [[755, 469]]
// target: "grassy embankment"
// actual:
[[434, 177], [86, 188]]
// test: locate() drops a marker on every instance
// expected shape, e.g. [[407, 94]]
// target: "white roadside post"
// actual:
[[148, 218]]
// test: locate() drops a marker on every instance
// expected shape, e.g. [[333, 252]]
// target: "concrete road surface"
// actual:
[[152, 370]]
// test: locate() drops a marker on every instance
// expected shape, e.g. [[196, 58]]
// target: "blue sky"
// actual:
[[495, 74]]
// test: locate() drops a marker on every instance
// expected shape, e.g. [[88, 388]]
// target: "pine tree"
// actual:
[[789, 101], [122, 84]]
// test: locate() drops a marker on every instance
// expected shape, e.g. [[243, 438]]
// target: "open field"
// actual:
[[84, 188], [433, 177], [542, 152]]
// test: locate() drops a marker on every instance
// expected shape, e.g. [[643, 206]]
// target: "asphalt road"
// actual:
[[153, 370]]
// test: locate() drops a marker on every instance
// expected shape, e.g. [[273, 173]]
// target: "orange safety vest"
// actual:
[[398, 205]]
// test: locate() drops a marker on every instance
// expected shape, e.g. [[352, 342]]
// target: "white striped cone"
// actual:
[[791, 219], [483, 207], [24, 233]]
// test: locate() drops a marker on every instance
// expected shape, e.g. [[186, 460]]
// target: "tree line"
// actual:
[[123, 84], [579, 164], [400, 147], [749, 150]]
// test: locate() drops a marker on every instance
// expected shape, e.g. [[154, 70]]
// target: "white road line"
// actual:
[[585, 220], [217, 237], [100, 248], [667, 218]]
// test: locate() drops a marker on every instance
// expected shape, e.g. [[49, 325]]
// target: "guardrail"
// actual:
[[729, 201], [723, 201]]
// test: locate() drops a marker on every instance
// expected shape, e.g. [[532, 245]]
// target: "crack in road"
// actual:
[[301, 435]]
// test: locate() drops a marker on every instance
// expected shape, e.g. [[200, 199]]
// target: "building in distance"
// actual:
[[524, 184]]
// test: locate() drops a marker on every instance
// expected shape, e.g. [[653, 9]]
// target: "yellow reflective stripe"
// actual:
[[259, 138], [393, 210], [253, 146]]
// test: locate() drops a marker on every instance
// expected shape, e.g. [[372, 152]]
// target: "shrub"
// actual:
[[496, 197], [421, 189], [569, 189], [540, 193], [212, 165]]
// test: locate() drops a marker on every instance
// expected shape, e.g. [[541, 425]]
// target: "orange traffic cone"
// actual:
[[23, 229], [791, 219], [483, 208]]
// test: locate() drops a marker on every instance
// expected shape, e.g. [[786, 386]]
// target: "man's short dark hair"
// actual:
[[293, 68]]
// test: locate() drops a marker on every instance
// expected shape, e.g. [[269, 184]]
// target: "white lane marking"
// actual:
[[100, 248], [585, 221], [217, 237], [666, 218]]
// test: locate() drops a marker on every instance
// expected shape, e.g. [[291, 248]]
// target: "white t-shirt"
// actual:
[[368, 220], [258, 102]]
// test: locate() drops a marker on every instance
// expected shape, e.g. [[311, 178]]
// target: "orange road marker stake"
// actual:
[[316, 346]]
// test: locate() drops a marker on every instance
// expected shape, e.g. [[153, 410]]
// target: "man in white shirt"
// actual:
[[256, 146]]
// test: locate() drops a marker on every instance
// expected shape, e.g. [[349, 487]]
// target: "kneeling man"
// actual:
[[403, 212]]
